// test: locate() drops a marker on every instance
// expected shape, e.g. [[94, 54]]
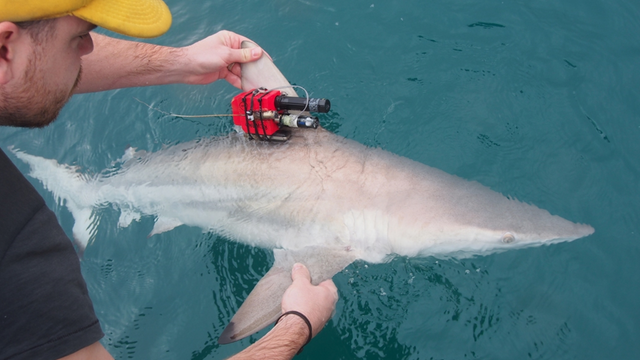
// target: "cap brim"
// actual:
[[142, 19]]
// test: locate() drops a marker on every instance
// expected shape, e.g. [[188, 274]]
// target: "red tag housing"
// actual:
[[249, 109]]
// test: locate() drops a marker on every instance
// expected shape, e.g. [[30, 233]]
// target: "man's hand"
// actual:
[[291, 333], [116, 63], [317, 303], [218, 57]]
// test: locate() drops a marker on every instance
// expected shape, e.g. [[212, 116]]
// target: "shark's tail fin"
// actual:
[[263, 305], [69, 187]]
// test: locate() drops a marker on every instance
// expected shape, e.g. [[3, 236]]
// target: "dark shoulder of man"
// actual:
[[45, 309], [19, 202]]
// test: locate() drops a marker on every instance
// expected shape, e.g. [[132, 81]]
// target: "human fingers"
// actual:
[[234, 41], [234, 80], [237, 56], [235, 53], [331, 288]]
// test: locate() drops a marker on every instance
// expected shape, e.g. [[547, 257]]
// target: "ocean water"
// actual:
[[535, 99]]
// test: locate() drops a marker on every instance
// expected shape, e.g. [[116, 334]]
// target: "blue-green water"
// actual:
[[536, 99]]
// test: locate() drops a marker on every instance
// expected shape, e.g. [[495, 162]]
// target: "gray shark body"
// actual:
[[318, 198]]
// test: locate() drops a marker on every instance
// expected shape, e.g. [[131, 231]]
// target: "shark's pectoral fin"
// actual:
[[84, 226], [261, 308], [164, 224], [263, 305]]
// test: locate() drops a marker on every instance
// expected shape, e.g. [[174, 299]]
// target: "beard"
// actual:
[[34, 105]]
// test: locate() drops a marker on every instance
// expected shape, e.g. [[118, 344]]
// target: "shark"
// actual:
[[318, 198]]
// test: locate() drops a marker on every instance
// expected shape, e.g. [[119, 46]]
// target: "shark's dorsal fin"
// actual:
[[263, 73], [263, 305]]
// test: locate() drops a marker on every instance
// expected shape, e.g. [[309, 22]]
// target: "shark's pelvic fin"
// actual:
[[263, 305]]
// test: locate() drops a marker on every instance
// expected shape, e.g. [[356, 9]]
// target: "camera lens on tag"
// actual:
[[301, 104]]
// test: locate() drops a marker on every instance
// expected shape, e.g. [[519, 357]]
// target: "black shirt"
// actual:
[[45, 309]]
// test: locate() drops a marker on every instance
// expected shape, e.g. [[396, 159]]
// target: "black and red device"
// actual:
[[264, 114]]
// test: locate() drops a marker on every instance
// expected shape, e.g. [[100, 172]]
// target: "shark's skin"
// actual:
[[317, 189], [323, 199]]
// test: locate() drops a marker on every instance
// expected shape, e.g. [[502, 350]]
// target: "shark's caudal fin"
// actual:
[[263, 305], [69, 187]]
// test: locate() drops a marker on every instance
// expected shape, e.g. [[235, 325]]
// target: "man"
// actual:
[[48, 53]]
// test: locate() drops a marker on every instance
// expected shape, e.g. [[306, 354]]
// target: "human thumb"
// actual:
[[249, 54], [300, 272]]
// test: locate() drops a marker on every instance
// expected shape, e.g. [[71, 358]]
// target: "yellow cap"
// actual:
[[137, 18]]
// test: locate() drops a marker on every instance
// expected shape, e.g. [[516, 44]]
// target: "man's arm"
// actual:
[[116, 63], [284, 341], [289, 335], [94, 351]]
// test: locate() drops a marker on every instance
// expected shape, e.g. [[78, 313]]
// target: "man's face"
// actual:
[[50, 75]]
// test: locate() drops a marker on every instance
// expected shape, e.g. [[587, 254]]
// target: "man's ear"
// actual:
[[9, 32]]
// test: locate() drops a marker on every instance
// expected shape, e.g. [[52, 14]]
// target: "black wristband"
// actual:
[[301, 315]]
